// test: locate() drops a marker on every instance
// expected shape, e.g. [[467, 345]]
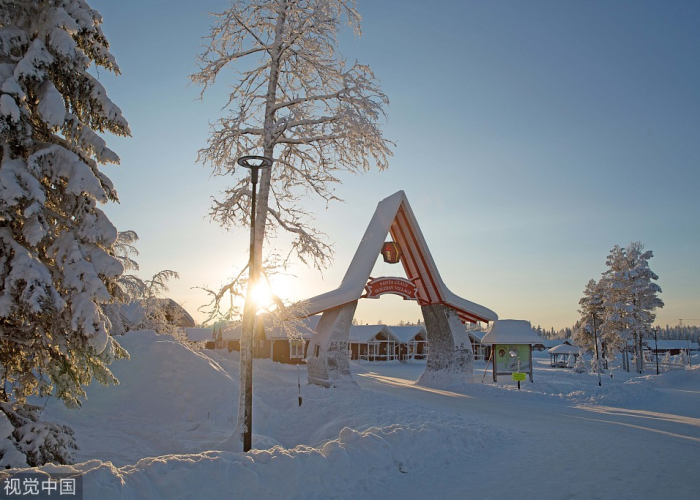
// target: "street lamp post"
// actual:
[[656, 348], [254, 163], [597, 356]]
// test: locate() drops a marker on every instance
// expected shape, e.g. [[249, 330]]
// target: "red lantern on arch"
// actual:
[[391, 252]]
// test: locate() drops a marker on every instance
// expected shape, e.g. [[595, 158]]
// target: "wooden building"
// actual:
[[272, 341], [203, 336], [413, 342], [373, 343], [673, 347]]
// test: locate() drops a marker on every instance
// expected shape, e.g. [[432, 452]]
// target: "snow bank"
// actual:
[[370, 459], [177, 406], [171, 399]]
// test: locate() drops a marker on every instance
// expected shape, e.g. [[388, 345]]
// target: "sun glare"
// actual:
[[262, 294]]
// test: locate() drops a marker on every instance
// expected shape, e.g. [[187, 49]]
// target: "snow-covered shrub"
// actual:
[[580, 364], [667, 360], [596, 365], [25, 441]]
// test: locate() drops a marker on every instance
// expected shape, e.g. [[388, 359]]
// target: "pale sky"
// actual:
[[532, 137]]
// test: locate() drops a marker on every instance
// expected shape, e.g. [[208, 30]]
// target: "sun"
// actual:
[[264, 292], [262, 295]]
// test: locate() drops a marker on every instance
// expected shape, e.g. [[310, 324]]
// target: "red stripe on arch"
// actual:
[[435, 297], [408, 260], [412, 260]]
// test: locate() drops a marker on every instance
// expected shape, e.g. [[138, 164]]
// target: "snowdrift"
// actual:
[[162, 431]]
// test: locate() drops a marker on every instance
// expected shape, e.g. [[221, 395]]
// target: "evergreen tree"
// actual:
[[588, 333], [57, 264], [591, 310], [630, 297]]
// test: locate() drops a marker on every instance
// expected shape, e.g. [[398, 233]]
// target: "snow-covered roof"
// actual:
[[134, 312], [564, 349], [668, 345], [305, 328], [511, 331], [549, 343], [364, 333], [199, 334], [407, 333], [477, 335], [394, 216]]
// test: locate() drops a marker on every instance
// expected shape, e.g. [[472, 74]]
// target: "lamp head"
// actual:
[[254, 163]]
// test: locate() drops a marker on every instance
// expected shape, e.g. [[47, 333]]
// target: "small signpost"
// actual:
[[519, 377]]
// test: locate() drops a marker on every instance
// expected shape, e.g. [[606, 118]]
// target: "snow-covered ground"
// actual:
[[163, 433]]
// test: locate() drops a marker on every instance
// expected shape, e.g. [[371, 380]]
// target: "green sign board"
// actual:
[[519, 377], [512, 358]]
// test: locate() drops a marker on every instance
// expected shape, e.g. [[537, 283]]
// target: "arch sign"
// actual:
[[376, 287]]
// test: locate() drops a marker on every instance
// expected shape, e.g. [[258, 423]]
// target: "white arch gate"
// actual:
[[443, 311]]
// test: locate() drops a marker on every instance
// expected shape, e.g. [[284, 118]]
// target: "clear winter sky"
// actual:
[[532, 137]]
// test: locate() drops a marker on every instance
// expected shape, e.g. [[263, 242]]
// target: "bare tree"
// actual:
[[299, 103]]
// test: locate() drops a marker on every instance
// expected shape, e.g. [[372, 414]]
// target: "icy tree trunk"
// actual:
[[448, 367], [327, 360]]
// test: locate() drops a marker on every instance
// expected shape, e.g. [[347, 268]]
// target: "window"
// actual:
[[373, 348], [296, 349]]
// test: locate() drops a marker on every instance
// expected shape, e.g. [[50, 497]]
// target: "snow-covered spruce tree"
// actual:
[[630, 297], [588, 327], [591, 311], [296, 101], [57, 267]]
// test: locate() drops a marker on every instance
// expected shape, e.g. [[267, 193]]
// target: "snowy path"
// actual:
[[625, 453]]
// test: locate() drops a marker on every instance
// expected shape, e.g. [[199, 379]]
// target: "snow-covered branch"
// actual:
[[296, 103]]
